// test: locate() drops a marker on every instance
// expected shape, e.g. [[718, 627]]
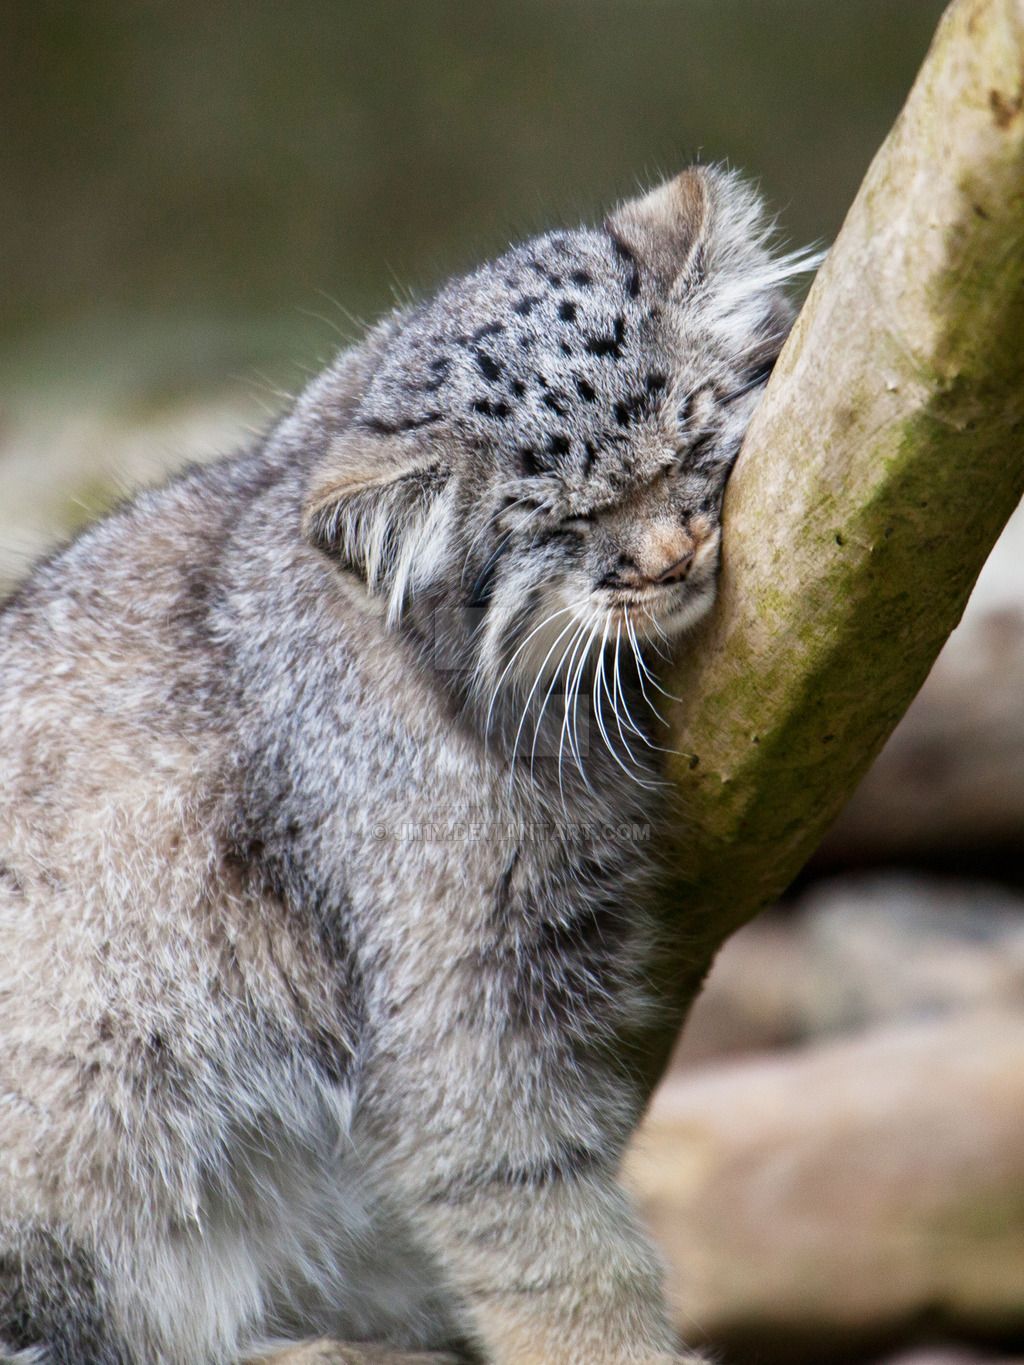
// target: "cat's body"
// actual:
[[311, 973]]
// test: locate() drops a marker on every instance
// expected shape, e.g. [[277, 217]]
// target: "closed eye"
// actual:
[[760, 376]]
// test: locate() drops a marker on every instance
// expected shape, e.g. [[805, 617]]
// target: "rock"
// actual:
[[857, 951], [938, 1357], [326, 1352], [758, 994], [835, 1195], [899, 946]]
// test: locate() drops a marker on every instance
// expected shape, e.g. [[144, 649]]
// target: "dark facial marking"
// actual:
[[498, 409], [8, 879], [488, 366], [382, 428], [629, 260], [699, 448], [440, 366], [554, 279], [528, 461], [570, 1162], [759, 376], [630, 409], [483, 586], [609, 346], [489, 329]]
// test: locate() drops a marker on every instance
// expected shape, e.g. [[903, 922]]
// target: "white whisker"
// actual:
[[619, 694], [536, 683], [569, 649], [642, 672], [654, 681], [575, 672], [599, 682], [519, 649]]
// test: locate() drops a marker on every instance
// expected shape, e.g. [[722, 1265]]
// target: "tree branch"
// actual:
[[878, 472]]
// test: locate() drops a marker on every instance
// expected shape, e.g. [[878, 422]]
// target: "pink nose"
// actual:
[[629, 574], [676, 571]]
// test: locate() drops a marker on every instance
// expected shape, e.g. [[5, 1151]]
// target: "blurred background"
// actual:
[[202, 201]]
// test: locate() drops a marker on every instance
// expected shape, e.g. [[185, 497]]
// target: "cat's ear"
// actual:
[[378, 504], [663, 230]]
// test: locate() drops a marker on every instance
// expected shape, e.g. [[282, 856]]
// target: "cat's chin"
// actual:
[[691, 605]]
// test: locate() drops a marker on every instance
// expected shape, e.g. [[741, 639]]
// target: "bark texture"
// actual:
[[878, 473]]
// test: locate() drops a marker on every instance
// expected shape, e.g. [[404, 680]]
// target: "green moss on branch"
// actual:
[[878, 473]]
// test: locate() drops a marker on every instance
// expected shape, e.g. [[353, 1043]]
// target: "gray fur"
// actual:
[[319, 915]]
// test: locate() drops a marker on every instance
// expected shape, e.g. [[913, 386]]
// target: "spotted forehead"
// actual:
[[550, 354]]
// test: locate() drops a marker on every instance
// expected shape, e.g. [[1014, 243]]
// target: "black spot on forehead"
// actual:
[[545, 354], [499, 408], [528, 461], [552, 276], [488, 366], [632, 408], [606, 345], [489, 329]]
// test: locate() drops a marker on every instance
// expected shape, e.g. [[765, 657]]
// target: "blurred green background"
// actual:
[[186, 184]]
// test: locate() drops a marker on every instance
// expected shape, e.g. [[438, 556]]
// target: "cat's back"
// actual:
[[116, 738], [110, 666]]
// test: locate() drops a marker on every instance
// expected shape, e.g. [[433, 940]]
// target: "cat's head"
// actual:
[[544, 444]]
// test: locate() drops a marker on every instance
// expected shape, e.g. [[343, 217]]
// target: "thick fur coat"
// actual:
[[328, 803]]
